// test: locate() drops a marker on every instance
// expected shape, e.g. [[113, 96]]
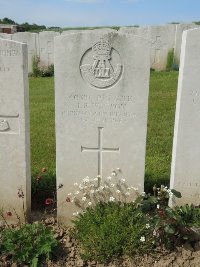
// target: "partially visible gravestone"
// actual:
[[163, 38], [46, 45], [103, 30], [101, 85], [185, 170], [140, 31], [14, 128], [5, 36], [178, 38], [31, 39]]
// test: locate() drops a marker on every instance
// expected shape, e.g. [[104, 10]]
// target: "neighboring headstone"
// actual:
[[103, 30], [178, 38], [46, 44], [5, 36], [31, 39], [163, 38], [141, 31], [185, 170], [14, 129], [101, 86]]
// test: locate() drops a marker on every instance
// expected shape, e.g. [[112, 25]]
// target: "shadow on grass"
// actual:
[[43, 187], [151, 180]]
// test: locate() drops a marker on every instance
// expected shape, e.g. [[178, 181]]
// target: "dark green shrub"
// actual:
[[112, 230], [190, 215], [41, 71], [35, 66], [47, 72], [30, 244], [170, 60]]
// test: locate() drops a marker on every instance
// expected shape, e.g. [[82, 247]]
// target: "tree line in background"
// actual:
[[36, 28], [26, 26]]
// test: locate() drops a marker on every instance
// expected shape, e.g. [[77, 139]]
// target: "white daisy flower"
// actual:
[[112, 199], [142, 239]]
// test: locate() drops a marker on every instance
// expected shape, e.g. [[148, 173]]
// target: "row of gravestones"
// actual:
[[163, 40], [101, 92]]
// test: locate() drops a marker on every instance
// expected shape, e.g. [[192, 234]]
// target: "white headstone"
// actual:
[[162, 42], [101, 84], [185, 170], [140, 31], [103, 30], [5, 36], [31, 39], [14, 128], [46, 44], [163, 38], [178, 39]]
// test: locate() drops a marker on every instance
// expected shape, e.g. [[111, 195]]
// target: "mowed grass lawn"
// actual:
[[162, 100]]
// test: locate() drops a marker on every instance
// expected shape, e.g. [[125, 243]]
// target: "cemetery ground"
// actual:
[[162, 100]]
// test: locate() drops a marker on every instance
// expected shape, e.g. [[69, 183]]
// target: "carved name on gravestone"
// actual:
[[185, 171], [101, 84], [14, 128]]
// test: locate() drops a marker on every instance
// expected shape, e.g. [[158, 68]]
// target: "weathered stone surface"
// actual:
[[185, 174], [103, 30], [46, 44], [14, 128], [163, 38], [178, 39], [162, 42], [5, 36], [101, 84], [140, 31], [31, 39]]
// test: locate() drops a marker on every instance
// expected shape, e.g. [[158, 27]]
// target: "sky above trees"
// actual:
[[74, 13]]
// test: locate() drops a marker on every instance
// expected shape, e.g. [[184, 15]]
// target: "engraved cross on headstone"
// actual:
[[100, 150], [157, 45]]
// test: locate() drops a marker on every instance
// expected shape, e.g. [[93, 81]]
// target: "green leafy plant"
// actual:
[[190, 215], [131, 223], [28, 244], [111, 230], [170, 60], [41, 71], [35, 66]]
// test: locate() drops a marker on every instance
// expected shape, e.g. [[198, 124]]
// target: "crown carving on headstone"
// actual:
[[101, 49]]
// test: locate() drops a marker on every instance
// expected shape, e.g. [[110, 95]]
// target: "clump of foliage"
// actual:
[[131, 223], [28, 244], [190, 215], [41, 71], [170, 59], [171, 62], [25, 243]]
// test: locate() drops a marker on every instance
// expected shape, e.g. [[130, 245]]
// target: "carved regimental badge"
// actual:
[[101, 65], [4, 126]]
